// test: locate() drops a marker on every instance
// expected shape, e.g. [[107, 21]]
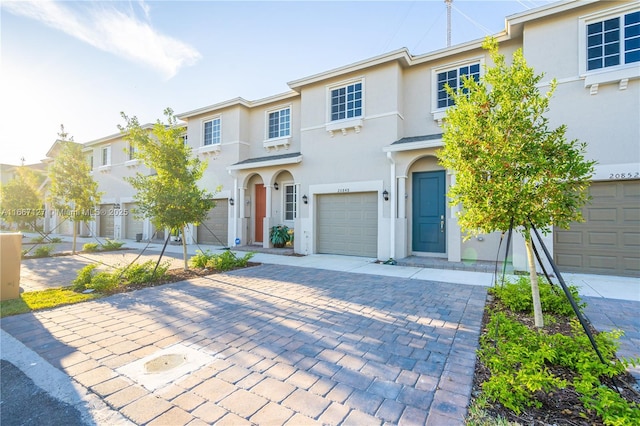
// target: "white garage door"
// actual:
[[214, 229], [348, 224], [132, 226], [608, 242]]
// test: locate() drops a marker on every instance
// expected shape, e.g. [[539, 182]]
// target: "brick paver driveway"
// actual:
[[288, 346]]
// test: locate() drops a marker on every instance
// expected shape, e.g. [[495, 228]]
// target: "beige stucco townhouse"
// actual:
[[347, 157]]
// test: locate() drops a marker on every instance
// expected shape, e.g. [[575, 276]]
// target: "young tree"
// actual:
[[169, 196], [511, 169], [72, 190], [21, 199]]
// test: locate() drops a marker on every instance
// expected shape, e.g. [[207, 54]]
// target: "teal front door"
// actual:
[[429, 211]]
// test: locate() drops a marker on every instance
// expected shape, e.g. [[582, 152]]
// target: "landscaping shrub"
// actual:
[[112, 245], [140, 273], [55, 240], [43, 251], [136, 273], [517, 297], [83, 278], [200, 259], [90, 247], [525, 363], [104, 281], [37, 240], [227, 261], [224, 261]]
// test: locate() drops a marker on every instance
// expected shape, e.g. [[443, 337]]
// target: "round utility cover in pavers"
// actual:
[[165, 366], [164, 363]]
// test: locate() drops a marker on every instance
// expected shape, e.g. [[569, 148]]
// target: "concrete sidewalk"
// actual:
[[42, 273]]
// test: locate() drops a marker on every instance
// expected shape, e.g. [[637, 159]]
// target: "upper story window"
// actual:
[[280, 123], [614, 41], [290, 202], [346, 101], [454, 78], [211, 130], [131, 152], [105, 156], [90, 161]]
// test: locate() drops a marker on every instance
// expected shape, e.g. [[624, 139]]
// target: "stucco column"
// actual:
[[269, 191]]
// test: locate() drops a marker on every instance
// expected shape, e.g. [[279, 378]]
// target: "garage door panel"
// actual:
[[347, 224], [602, 262], [631, 191], [603, 215], [132, 225], [569, 237], [106, 221], [603, 191], [631, 214], [214, 229], [608, 241], [632, 263], [603, 238], [631, 240], [570, 260]]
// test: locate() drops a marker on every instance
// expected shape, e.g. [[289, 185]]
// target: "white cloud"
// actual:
[[107, 28]]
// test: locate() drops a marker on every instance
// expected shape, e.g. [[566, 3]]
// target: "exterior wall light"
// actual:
[[231, 202], [385, 195], [275, 185], [305, 199]]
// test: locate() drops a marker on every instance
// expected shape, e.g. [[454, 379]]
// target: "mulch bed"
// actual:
[[560, 407]]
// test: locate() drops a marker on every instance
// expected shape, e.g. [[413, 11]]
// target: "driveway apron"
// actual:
[[284, 345]]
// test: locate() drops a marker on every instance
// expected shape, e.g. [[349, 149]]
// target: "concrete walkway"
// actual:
[[299, 340]]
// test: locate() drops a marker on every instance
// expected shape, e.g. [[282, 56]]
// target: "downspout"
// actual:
[[394, 206], [237, 201]]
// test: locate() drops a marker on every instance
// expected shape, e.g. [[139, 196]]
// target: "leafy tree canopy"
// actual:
[[169, 196], [510, 167], [21, 199]]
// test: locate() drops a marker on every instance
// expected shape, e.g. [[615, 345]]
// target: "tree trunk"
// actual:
[[75, 233], [184, 247], [533, 274]]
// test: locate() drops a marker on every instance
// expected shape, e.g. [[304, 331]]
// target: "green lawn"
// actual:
[[44, 299]]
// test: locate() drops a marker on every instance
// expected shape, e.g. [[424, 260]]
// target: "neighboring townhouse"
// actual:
[[111, 159], [347, 158]]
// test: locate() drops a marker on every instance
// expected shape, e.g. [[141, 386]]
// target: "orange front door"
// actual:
[[261, 210]]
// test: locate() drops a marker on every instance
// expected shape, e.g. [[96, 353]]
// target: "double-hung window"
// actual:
[[280, 123], [131, 152], [105, 159], [290, 202], [211, 130], [454, 78], [346, 101], [613, 41]]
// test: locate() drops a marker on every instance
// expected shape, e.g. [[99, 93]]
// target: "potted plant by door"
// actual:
[[280, 235]]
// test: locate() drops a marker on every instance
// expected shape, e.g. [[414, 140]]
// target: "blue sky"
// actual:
[[80, 63]]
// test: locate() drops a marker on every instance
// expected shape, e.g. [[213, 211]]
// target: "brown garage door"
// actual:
[[214, 229], [348, 224], [608, 242]]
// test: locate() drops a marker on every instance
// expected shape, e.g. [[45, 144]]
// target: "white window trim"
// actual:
[[105, 167], [280, 141], [620, 74], [344, 124], [202, 122], [284, 203], [439, 113]]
